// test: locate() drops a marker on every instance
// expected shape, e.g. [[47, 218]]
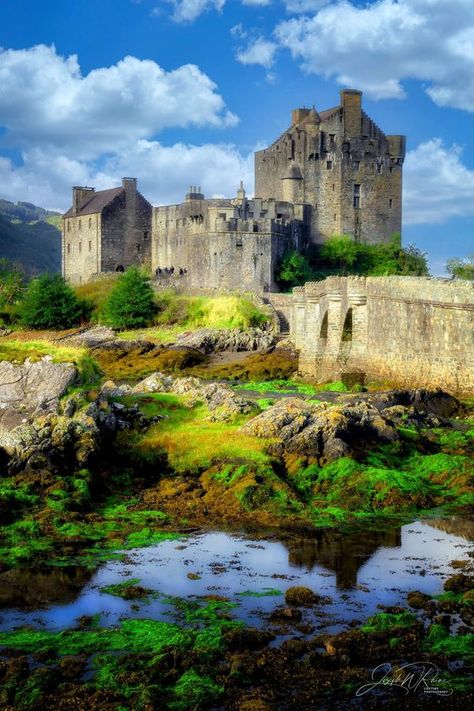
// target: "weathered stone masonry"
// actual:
[[411, 331]]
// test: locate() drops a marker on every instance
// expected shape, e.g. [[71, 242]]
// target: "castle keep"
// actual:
[[330, 173]]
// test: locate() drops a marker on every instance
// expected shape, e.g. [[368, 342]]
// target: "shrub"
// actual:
[[294, 270], [131, 302], [50, 303], [461, 268]]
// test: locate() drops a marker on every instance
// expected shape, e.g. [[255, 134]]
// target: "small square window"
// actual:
[[329, 164]]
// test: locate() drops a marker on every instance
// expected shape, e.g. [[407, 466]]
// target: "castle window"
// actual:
[[356, 196], [255, 226], [80, 224], [145, 234], [391, 169], [238, 242], [90, 246], [90, 222], [69, 248], [292, 150], [138, 247], [68, 226], [80, 247], [335, 217], [379, 168], [390, 202], [333, 187], [356, 164], [329, 164]]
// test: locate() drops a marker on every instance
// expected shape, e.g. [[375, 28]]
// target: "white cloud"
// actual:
[[44, 100], [259, 51], [189, 10], [164, 173], [437, 185], [377, 46], [300, 6], [256, 2]]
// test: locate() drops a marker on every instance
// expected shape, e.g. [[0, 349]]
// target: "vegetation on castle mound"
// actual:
[[131, 302], [342, 256], [49, 303]]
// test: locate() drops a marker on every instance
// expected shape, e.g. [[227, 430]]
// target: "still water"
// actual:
[[356, 572]]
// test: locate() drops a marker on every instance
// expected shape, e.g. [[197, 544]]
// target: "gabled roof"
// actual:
[[95, 202]]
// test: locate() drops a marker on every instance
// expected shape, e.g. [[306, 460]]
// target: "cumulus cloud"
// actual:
[[190, 10], [438, 186], [164, 173], [259, 51], [44, 99], [377, 46], [300, 6]]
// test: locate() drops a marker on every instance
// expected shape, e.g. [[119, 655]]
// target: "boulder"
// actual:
[[319, 430], [154, 383], [31, 389], [459, 583], [301, 596], [213, 340], [418, 600]]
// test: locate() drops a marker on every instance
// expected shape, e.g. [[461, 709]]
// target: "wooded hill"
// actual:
[[30, 236]]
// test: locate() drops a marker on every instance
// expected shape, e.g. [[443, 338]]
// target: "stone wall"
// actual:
[[224, 244], [81, 248], [126, 232], [411, 331]]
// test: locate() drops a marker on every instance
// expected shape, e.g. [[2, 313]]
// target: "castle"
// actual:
[[332, 172]]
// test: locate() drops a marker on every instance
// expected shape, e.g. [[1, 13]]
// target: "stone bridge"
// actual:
[[409, 331]]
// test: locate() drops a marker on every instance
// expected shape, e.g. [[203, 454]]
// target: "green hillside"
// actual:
[[29, 235]]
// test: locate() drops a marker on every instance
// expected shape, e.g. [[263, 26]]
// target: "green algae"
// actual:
[[265, 592], [193, 690], [439, 641], [385, 621]]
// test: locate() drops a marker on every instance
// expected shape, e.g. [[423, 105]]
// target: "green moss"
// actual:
[[193, 691], [265, 592], [440, 641], [230, 474], [148, 537], [386, 621]]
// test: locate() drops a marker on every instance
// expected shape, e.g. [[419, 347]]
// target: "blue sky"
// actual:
[[181, 92]]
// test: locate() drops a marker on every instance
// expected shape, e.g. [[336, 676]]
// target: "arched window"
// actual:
[[120, 268]]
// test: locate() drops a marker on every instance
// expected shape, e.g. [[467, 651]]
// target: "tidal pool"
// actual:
[[357, 571]]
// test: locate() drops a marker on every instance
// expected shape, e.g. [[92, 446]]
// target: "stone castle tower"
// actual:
[[340, 164]]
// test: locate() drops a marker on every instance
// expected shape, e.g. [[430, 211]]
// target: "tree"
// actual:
[[294, 270], [461, 268], [11, 282], [50, 303], [131, 303]]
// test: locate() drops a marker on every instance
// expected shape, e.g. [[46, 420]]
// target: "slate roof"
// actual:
[[95, 202]]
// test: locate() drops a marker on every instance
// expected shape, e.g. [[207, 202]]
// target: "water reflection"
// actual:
[[342, 553], [358, 571]]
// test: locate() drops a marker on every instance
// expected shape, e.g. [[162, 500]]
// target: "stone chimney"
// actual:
[[78, 195], [351, 102], [297, 115]]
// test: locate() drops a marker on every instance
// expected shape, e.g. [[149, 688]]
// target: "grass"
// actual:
[[19, 350], [192, 442], [291, 386]]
